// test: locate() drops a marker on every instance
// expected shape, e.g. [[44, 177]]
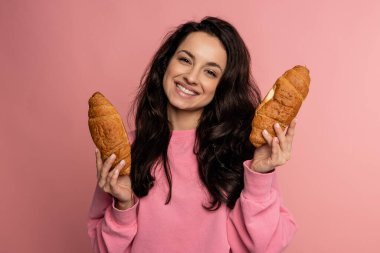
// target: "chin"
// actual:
[[182, 107]]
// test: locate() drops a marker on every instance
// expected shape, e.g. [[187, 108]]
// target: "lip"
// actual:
[[188, 87]]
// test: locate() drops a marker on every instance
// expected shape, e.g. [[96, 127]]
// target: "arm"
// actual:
[[259, 222], [111, 229]]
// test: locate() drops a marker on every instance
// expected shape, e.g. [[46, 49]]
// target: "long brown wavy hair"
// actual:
[[222, 135]]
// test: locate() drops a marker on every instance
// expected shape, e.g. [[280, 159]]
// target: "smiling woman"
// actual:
[[194, 188], [191, 78]]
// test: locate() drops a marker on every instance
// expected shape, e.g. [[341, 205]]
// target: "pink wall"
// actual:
[[55, 54]]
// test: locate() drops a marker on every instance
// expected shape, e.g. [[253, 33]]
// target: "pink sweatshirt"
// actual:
[[258, 223]]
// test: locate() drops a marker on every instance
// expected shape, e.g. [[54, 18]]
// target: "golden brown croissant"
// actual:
[[108, 131], [281, 104]]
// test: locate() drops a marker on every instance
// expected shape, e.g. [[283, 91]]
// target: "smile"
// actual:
[[184, 90]]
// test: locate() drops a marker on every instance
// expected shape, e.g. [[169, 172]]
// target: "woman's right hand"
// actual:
[[110, 181]]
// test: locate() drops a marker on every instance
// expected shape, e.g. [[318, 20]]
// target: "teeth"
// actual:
[[189, 92]]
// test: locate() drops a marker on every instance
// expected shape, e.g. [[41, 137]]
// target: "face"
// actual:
[[194, 72]]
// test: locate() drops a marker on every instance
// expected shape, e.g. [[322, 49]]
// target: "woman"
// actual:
[[197, 184]]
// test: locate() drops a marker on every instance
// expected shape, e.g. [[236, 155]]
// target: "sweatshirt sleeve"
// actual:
[[259, 222], [111, 229]]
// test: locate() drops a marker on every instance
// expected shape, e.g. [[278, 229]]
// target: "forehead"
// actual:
[[204, 47]]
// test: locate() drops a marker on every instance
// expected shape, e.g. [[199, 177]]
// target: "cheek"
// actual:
[[168, 74], [173, 68], [210, 91], [211, 88]]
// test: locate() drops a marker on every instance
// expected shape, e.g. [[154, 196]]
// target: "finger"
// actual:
[[106, 168], [99, 162], [275, 151], [114, 177], [267, 137], [109, 176], [290, 132], [291, 129], [281, 135], [107, 186], [118, 168]]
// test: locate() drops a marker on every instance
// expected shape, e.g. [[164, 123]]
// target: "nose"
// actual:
[[191, 77]]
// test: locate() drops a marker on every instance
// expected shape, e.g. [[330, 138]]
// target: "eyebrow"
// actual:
[[214, 64]]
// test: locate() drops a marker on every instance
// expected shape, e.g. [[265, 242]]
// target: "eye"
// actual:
[[184, 59], [211, 73]]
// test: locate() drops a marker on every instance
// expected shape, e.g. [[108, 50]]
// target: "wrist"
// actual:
[[253, 168], [123, 205]]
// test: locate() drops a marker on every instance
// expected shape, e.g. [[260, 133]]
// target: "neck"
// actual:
[[183, 120]]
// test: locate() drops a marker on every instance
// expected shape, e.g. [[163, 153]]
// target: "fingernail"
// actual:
[[265, 132], [277, 125], [122, 162], [113, 156], [96, 150]]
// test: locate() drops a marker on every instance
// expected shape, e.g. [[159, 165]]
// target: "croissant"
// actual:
[[108, 131], [281, 104]]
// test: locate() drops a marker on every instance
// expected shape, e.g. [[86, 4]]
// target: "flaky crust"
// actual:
[[108, 131], [281, 104]]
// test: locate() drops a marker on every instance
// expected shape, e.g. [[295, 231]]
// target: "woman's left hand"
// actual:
[[276, 151]]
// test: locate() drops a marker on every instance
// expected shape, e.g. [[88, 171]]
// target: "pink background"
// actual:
[[55, 54]]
